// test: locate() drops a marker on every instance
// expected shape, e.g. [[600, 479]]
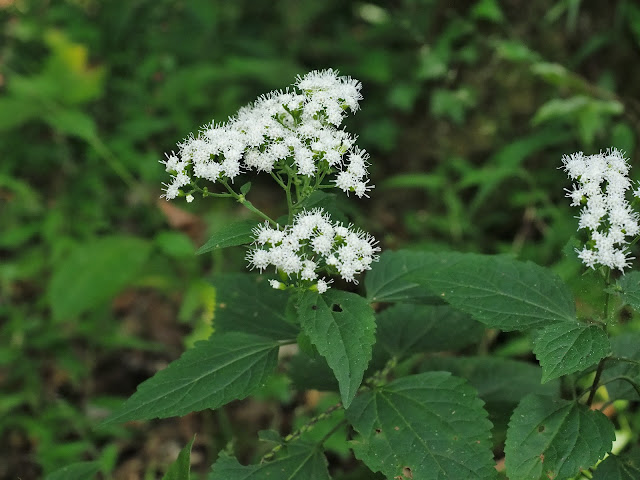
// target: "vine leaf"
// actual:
[[181, 468], [565, 348], [302, 461], [342, 327], [212, 373], [553, 439], [234, 234], [499, 291], [428, 426]]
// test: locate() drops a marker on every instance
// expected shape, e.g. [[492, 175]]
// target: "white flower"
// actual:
[[189, 198], [601, 184], [313, 242], [286, 131]]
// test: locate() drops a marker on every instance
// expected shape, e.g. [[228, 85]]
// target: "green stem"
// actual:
[[247, 204], [305, 428], [596, 379], [624, 378], [626, 359]]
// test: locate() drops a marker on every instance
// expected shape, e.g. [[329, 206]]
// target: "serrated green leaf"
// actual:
[[431, 425], [630, 293], [627, 346], [75, 471], [499, 291], [550, 438], [300, 462], [181, 468], [342, 327], [93, 273], [212, 373], [388, 280], [622, 467], [406, 329], [247, 303], [230, 236], [569, 347]]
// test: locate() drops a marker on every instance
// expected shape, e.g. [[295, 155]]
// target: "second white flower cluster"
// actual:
[[311, 243], [602, 183]]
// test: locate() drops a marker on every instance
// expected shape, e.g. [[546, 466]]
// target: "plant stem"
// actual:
[[246, 203], [596, 379], [305, 428], [594, 385]]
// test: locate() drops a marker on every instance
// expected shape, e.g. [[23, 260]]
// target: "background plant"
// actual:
[[91, 91]]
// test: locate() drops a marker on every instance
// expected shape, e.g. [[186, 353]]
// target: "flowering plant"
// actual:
[[408, 409]]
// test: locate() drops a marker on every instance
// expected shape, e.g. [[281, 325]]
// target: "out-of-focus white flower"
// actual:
[[295, 129], [189, 198], [601, 185], [311, 243]]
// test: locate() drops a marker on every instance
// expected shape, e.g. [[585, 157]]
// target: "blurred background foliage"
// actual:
[[468, 107]]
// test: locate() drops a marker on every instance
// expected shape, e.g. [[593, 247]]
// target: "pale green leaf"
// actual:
[[404, 329], [231, 235], [550, 438], [212, 373], [247, 303], [388, 280], [498, 291], [76, 471], [430, 426], [342, 326], [71, 122], [93, 273], [301, 461], [181, 468], [569, 347]]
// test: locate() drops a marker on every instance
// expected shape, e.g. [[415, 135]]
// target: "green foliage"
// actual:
[[76, 471], [181, 468], [566, 348], [229, 236], [498, 291], [630, 289], [623, 467], [341, 326], [429, 425], [300, 462], [212, 373], [94, 273], [550, 438], [626, 348]]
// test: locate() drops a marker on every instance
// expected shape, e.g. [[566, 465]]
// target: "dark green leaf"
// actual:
[[569, 347], [76, 471], [94, 273], [499, 291], [430, 425], [312, 373], [622, 467], [247, 303], [342, 326], [181, 468], [630, 285], [550, 438], [627, 346], [405, 329], [388, 280], [301, 462], [244, 189], [230, 236], [212, 373]]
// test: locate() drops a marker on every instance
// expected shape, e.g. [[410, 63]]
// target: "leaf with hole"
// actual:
[[342, 327]]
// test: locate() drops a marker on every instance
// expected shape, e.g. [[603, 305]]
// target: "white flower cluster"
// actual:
[[601, 185], [311, 243], [297, 128]]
